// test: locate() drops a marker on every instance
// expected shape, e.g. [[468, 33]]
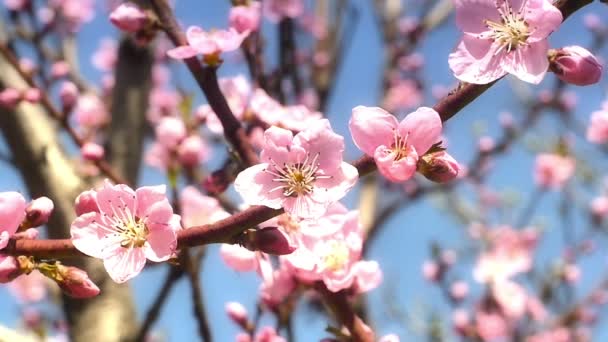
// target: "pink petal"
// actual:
[[202, 42], [161, 244], [471, 15], [529, 63], [115, 199], [395, 171], [12, 211], [477, 70], [158, 215], [238, 258], [229, 40], [372, 127], [123, 264], [147, 196], [88, 232], [422, 129], [256, 187], [333, 189], [543, 18], [182, 52], [320, 141], [368, 275], [304, 207], [4, 238], [277, 142]]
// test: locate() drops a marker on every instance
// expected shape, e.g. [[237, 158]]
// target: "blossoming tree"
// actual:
[[258, 164]]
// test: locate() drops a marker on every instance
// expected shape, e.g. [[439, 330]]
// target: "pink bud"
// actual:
[[237, 312], [571, 273], [459, 290], [192, 151], [431, 271], [9, 268], [68, 94], [28, 234], [461, 320], [86, 202], [269, 240], [245, 18], [170, 131], [92, 151], [60, 69], [593, 22], [438, 167], [76, 283], [38, 211], [32, 95], [16, 5], [128, 17], [10, 98], [27, 65], [576, 65], [599, 206]]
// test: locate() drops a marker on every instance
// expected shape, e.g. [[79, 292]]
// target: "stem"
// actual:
[[192, 266]]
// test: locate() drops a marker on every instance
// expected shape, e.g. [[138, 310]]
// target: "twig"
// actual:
[[192, 269]]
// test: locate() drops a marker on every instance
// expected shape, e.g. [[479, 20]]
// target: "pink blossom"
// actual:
[[599, 206], [130, 227], [10, 98], [12, 213], [29, 288], [105, 57], [158, 156], [9, 268], [193, 151], [170, 131], [295, 118], [90, 111], [76, 282], [237, 91], [553, 170], [129, 17], [270, 240], [198, 209], [275, 10], [239, 258], [73, 12], [16, 5], [38, 211], [403, 95], [504, 36], [163, 102], [86, 202], [60, 69], [459, 290], [395, 146], [245, 18], [431, 271], [389, 338], [237, 313], [576, 65], [92, 151], [559, 334], [511, 297], [491, 326], [510, 253], [276, 286], [438, 167], [304, 174], [68, 94], [597, 132], [208, 43]]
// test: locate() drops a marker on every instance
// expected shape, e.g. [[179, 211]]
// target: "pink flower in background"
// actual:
[[597, 132], [511, 297], [90, 111], [198, 209], [92, 151], [245, 18], [12, 213], [129, 17], [16, 5], [239, 258], [395, 146], [403, 95], [73, 13], [275, 10], [170, 131], [106, 55], [304, 174], [491, 326], [29, 288], [237, 91], [295, 118], [130, 227], [503, 36], [193, 151], [38, 211], [207, 43], [553, 170]]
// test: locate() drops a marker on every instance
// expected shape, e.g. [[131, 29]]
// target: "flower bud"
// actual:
[[75, 282], [32, 95], [38, 212], [245, 18], [130, 18], [68, 94], [10, 98], [459, 290], [575, 65], [9, 268], [237, 312], [92, 151], [269, 240], [192, 151], [60, 69], [86, 202], [170, 131], [438, 167]]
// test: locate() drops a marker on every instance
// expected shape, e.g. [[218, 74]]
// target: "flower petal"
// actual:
[[474, 69], [182, 52], [160, 243], [529, 63], [372, 127], [123, 264], [422, 129], [257, 187]]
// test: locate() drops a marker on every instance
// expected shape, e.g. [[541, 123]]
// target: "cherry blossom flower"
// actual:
[[294, 118], [395, 146], [304, 174], [130, 227], [245, 18], [90, 111], [28, 288], [208, 43], [503, 36], [12, 213], [553, 170], [402, 95], [198, 209], [237, 91], [575, 65], [597, 132], [106, 55], [129, 17]]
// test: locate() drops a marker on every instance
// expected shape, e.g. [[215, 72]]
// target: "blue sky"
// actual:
[[404, 245]]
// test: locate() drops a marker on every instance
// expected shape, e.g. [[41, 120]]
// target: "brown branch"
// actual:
[[206, 78], [191, 266]]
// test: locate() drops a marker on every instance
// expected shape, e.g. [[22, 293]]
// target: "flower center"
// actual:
[[512, 31], [337, 255], [290, 225], [400, 147], [131, 229], [296, 179]]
